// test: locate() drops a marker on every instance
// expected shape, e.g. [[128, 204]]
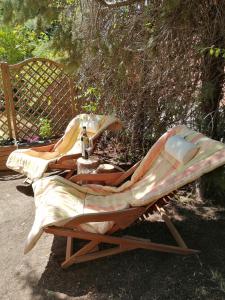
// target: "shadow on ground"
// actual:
[[25, 189], [142, 274]]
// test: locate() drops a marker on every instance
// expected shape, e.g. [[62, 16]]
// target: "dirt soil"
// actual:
[[137, 274]]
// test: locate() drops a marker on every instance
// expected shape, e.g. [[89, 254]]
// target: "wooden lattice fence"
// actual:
[[34, 89]]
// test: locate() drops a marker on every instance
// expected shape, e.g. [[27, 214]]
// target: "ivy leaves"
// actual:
[[213, 51]]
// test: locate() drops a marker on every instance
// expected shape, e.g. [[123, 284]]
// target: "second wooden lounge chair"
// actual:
[[34, 162], [94, 212]]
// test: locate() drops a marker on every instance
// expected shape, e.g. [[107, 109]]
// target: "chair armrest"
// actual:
[[121, 217], [46, 148], [126, 174], [67, 157], [107, 178]]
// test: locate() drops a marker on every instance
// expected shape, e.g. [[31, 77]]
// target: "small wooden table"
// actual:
[[87, 166], [92, 166]]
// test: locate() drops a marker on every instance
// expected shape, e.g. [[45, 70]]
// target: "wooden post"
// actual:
[[9, 104], [4, 73]]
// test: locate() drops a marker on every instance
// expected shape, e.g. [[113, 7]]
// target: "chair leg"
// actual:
[[171, 228], [121, 244], [95, 255], [69, 247], [71, 258]]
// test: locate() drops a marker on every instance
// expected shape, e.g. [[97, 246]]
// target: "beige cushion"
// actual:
[[180, 149]]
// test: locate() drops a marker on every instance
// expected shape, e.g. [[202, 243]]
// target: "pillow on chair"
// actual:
[[180, 149]]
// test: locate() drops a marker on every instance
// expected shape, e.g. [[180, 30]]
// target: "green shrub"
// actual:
[[91, 96], [16, 43], [45, 128]]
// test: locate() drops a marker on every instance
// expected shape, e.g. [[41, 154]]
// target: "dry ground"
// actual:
[[133, 275]]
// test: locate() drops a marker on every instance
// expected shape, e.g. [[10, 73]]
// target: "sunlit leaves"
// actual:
[[213, 51], [45, 130], [91, 97], [16, 44]]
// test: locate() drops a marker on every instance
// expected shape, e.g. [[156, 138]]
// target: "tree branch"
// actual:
[[118, 3]]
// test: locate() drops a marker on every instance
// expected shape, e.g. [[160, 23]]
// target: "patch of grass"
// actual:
[[219, 279], [201, 291]]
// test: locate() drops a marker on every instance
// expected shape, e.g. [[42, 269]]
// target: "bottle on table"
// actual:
[[84, 143]]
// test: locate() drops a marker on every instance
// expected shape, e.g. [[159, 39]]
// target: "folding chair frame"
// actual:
[[122, 219]]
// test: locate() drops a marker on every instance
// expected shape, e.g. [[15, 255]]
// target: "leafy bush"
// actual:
[[16, 44], [21, 42], [45, 128], [91, 96]]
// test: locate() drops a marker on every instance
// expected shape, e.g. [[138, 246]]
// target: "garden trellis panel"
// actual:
[[37, 88]]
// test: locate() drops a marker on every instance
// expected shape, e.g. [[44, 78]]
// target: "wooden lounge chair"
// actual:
[[95, 212], [34, 162]]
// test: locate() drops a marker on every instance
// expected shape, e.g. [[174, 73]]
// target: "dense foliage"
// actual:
[[21, 41], [15, 44], [153, 63]]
